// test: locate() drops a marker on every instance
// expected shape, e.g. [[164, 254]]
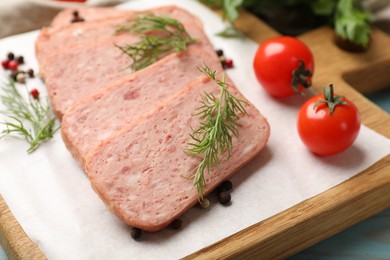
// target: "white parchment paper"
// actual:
[[52, 198]]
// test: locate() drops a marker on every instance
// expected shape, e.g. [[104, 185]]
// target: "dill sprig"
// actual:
[[218, 125], [159, 36], [31, 118]]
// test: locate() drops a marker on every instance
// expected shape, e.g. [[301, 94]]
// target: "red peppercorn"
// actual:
[[34, 93], [5, 64], [229, 63], [13, 65]]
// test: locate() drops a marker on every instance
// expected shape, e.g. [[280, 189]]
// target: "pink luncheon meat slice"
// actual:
[[52, 40], [75, 73], [142, 172], [92, 120]]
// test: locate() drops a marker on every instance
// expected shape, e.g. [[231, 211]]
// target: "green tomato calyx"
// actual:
[[301, 76], [330, 99]]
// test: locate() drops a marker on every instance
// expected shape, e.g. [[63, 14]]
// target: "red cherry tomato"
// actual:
[[325, 133], [276, 60]]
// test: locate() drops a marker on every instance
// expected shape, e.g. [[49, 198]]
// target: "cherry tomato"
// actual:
[[277, 60], [327, 131]]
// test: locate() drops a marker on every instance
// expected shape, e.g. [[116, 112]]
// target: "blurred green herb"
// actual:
[[31, 118], [349, 18], [352, 22]]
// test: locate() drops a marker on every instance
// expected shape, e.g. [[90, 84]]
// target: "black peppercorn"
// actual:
[[30, 73], [219, 52], [75, 13], [225, 186], [20, 59], [224, 197], [10, 56], [77, 20], [136, 233], [176, 224]]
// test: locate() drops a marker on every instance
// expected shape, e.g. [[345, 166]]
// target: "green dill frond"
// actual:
[[31, 118], [159, 37], [218, 126]]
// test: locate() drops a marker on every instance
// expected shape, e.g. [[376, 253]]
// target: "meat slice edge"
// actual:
[[89, 14]]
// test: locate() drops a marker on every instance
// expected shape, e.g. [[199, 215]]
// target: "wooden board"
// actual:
[[316, 218]]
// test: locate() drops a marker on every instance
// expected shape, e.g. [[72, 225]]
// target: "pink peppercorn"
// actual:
[[229, 63], [13, 65], [5, 64], [35, 93]]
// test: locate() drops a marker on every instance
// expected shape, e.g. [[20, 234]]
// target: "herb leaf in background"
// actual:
[[352, 22], [349, 18], [169, 36], [230, 13], [32, 119]]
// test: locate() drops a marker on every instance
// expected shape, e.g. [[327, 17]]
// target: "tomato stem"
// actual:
[[301, 76], [330, 99]]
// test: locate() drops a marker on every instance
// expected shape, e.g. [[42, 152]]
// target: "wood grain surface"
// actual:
[[13, 238], [316, 218]]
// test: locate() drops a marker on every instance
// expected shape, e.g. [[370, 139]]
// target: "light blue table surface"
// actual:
[[369, 239]]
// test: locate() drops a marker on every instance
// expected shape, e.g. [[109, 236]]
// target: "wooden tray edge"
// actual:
[[14, 240], [310, 221]]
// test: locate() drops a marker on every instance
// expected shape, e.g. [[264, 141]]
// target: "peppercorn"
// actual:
[[204, 203], [77, 20], [13, 65], [20, 59], [75, 13], [225, 186], [30, 73], [10, 56], [227, 64], [20, 77], [34, 93], [224, 197], [219, 52], [176, 224], [136, 233], [5, 64]]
